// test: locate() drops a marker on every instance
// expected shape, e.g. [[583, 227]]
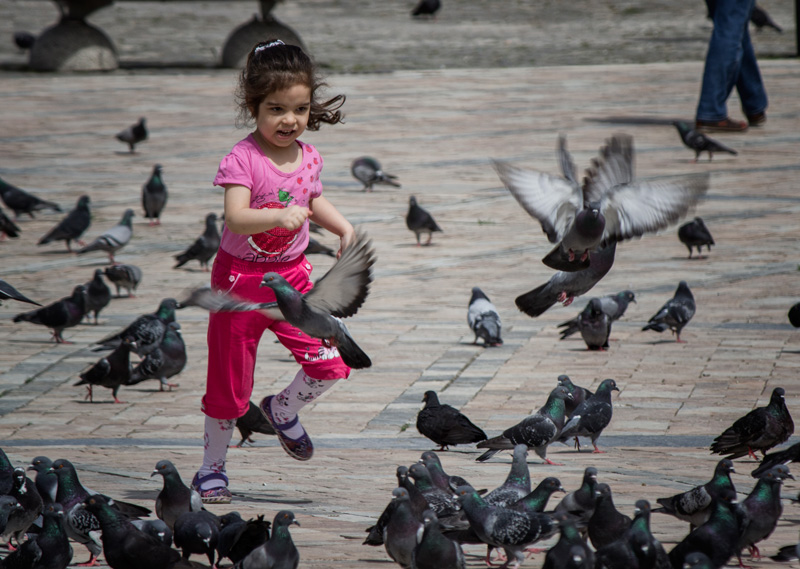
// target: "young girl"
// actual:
[[272, 187]]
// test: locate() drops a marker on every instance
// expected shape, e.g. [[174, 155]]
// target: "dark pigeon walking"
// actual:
[[98, 295], [434, 550], [612, 305], [8, 292], [760, 429], [536, 431], [204, 247], [761, 18], [7, 227], [147, 331], [124, 276], [592, 416], [154, 196], [26, 495], [60, 315], [594, 326], [279, 552], [607, 523], [368, 171], [175, 498], [483, 319], [675, 314], [134, 134], [19, 201], [112, 372], [695, 505], [761, 510], [114, 239], [72, 226], [699, 142], [420, 221], [446, 425], [252, 422], [791, 454], [163, 363], [579, 394], [197, 532], [426, 8], [695, 234]]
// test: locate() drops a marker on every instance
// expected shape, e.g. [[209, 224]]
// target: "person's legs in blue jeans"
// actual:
[[749, 84]]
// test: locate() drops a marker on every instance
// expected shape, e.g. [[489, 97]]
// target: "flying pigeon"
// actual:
[[7, 227], [610, 206], [134, 134], [252, 422], [72, 226], [147, 331], [791, 454], [592, 416], [197, 532], [695, 505], [762, 509], [20, 201], [420, 221], [761, 18], [279, 552], [760, 429], [314, 247], [675, 314], [594, 325], [166, 361], [111, 371], [114, 239], [154, 196], [175, 498], [536, 431], [607, 523], [8, 292], [434, 550], [699, 142], [426, 8], [204, 247], [613, 305], [368, 171], [446, 425], [124, 276], [98, 295], [565, 286], [483, 319], [62, 314], [695, 234]]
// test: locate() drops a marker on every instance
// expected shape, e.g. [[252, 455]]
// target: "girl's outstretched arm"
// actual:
[[325, 213]]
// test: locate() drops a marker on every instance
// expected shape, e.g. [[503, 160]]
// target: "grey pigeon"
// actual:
[[517, 484], [279, 552], [610, 206], [154, 196], [565, 286], [791, 454], [761, 18], [434, 550], [155, 528], [60, 315], [368, 171], [443, 502], [594, 325], [760, 429], [7, 227], [8, 506], [8, 292], [417, 501], [134, 134], [483, 319], [147, 331], [536, 431], [53, 540], [446, 425], [124, 276], [72, 226], [46, 481], [761, 510], [166, 361], [20, 201], [111, 371], [699, 142], [314, 247], [197, 532], [114, 239], [400, 532], [420, 221], [98, 295], [579, 394], [592, 416], [581, 502], [25, 494], [695, 234], [204, 247], [175, 497], [694, 506], [569, 545], [607, 523], [612, 305], [675, 314], [426, 8], [252, 422]]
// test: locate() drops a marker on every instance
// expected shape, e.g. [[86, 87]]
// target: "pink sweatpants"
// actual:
[[233, 337]]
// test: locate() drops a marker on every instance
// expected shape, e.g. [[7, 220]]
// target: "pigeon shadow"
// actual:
[[125, 153], [56, 252], [657, 342], [414, 245], [270, 498]]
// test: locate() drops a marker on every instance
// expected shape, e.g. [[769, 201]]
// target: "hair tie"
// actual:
[[268, 45]]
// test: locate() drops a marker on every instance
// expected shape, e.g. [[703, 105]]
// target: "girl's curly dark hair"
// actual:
[[272, 66]]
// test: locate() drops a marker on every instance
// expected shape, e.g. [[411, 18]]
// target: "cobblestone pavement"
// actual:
[[436, 130]]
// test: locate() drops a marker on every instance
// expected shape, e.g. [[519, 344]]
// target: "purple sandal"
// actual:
[[300, 449], [218, 495]]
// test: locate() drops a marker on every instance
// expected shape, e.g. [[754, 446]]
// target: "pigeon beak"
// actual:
[[295, 522], [153, 473], [561, 489]]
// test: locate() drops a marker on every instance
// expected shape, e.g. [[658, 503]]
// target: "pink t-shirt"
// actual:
[[246, 165]]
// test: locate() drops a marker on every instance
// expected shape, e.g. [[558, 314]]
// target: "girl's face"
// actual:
[[283, 115]]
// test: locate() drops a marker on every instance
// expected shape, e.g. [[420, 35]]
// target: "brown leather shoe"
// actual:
[[757, 119], [725, 125]]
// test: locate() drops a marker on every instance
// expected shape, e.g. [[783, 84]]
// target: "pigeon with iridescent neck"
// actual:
[[113, 239], [592, 416]]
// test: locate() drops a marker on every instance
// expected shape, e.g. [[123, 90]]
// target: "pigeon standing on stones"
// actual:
[[434, 550], [760, 429], [695, 234], [579, 394], [675, 314], [699, 142], [594, 325], [581, 502], [443, 480], [80, 525], [46, 480], [154, 196], [112, 371], [695, 505], [483, 319], [368, 171], [607, 523], [762, 509], [72, 226], [440, 501], [175, 498], [20, 201], [53, 540], [124, 276], [400, 532], [279, 552], [204, 247], [517, 484], [114, 239], [592, 416], [98, 295], [252, 422], [7, 227], [761, 18], [536, 431], [538, 498], [62, 314], [197, 532], [166, 361], [147, 331], [26, 495], [8, 292], [613, 305], [420, 221], [417, 501], [446, 425], [134, 134], [426, 8]]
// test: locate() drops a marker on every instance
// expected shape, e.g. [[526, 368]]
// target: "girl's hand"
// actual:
[[293, 217], [346, 239]]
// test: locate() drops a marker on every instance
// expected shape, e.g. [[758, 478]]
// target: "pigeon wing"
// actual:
[[218, 301], [568, 169], [614, 167]]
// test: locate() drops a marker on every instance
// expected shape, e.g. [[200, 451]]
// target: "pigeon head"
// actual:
[[83, 202], [608, 385], [779, 473], [412, 201], [462, 492], [157, 169], [164, 468], [641, 507], [627, 295], [286, 518], [53, 510], [590, 474], [400, 494], [273, 281], [127, 217], [681, 126], [430, 399], [725, 466], [166, 309], [566, 382], [552, 484], [40, 464], [62, 466], [430, 456], [211, 218], [698, 560], [777, 395], [429, 518], [9, 504]]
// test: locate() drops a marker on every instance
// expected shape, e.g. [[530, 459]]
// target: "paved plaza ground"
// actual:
[[437, 130]]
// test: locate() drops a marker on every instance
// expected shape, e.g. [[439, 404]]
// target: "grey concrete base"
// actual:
[[73, 45], [242, 39]]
